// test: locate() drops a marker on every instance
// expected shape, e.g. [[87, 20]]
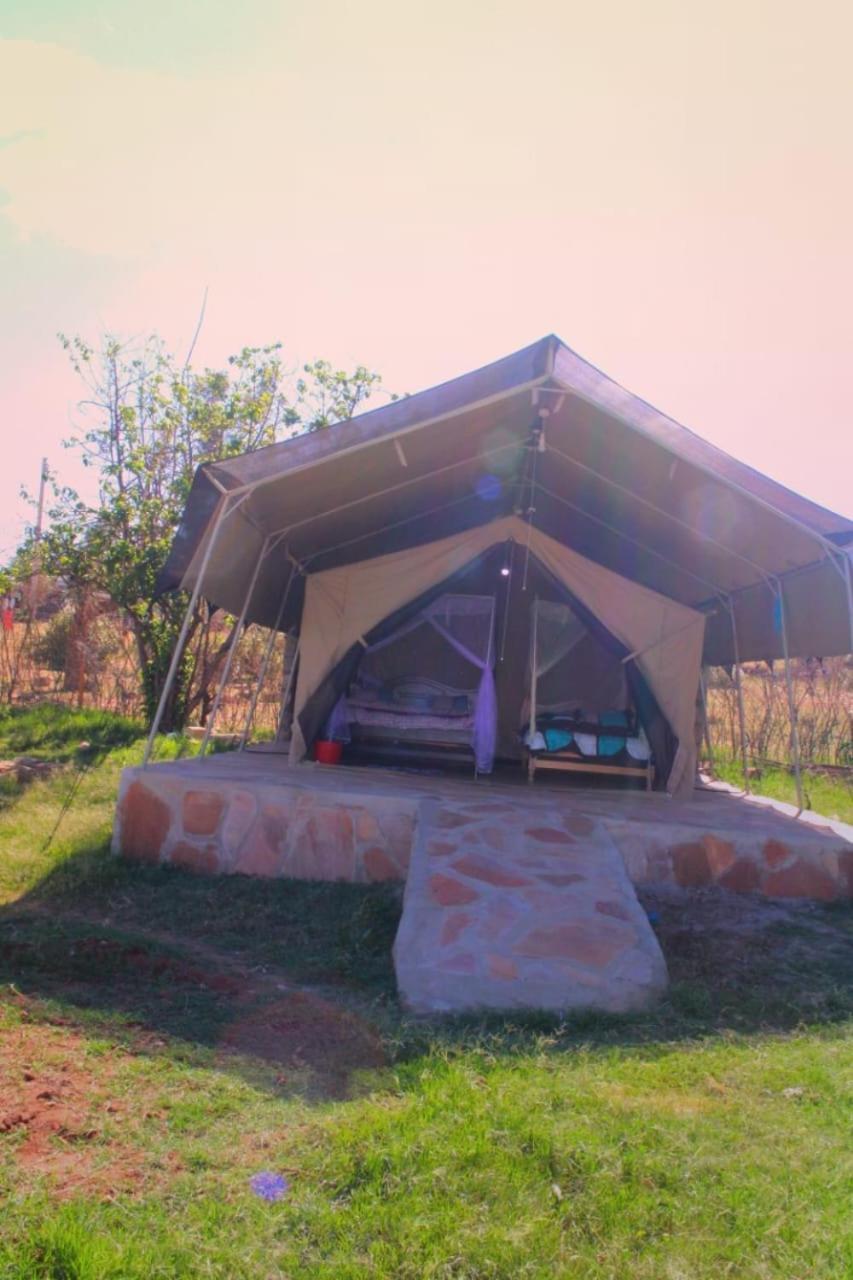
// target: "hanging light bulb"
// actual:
[[505, 571]]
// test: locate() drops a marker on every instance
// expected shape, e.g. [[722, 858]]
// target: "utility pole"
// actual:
[[35, 579]]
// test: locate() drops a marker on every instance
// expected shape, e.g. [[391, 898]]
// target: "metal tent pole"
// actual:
[[739, 686], [178, 650], [229, 661], [848, 583], [792, 709], [534, 647], [508, 562], [706, 729], [288, 684], [262, 674]]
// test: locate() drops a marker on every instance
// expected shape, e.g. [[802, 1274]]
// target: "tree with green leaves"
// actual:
[[146, 424]]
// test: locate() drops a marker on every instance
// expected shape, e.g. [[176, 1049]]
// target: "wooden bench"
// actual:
[[566, 763]]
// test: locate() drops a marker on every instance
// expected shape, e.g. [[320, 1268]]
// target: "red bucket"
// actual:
[[328, 752]]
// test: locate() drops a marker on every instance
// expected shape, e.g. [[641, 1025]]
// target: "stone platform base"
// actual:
[[504, 909], [251, 813], [516, 896]]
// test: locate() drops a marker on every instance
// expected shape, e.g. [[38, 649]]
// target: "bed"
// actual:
[[604, 736], [411, 714], [396, 706], [576, 741]]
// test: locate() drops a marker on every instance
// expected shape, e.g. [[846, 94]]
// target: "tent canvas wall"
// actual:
[[344, 607]]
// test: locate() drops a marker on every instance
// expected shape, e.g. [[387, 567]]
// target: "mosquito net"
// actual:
[[450, 642], [571, 667]]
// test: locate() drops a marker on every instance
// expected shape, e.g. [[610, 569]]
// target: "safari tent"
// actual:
[[525, 560]]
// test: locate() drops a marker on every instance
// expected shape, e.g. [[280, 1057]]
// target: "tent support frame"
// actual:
[[508, 563], [229, 661], [288, 686], [244, 490], [792, 706], [847, 573], [287, 530], [626, 537], [839, 560], [706, 727], [830, 549], [667, 515], [262, 674], [226, 509], [741, 713], [534, 636]]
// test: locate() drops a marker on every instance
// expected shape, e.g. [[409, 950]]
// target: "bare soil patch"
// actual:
[[315, 1045], [60, 1120]]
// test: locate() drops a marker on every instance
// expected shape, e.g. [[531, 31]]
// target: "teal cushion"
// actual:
[[556, 739]]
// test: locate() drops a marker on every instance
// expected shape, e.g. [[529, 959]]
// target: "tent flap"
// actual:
[[348, 607]]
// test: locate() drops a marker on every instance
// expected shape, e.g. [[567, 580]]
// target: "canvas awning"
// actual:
[[616, 480]]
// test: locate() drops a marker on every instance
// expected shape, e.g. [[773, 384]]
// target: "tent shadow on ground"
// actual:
[[290, 983], [240, 970]]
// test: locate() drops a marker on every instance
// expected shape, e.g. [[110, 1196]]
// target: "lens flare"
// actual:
[[488, 488]]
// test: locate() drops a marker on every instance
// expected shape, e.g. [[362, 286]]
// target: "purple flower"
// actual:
[[269, 1186]]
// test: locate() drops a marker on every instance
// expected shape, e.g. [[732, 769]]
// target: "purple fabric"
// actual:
[[484, 736], [337, 726]]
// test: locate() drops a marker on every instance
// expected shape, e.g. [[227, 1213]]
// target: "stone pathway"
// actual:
[[511, 908]]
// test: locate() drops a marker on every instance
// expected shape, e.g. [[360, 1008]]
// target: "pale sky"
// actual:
[[424, 187]]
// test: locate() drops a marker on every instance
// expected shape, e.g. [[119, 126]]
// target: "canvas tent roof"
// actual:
[[618, 481]]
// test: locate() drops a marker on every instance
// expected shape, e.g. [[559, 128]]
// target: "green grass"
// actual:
[[51, 731], [824, 793], [708, 1137]]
